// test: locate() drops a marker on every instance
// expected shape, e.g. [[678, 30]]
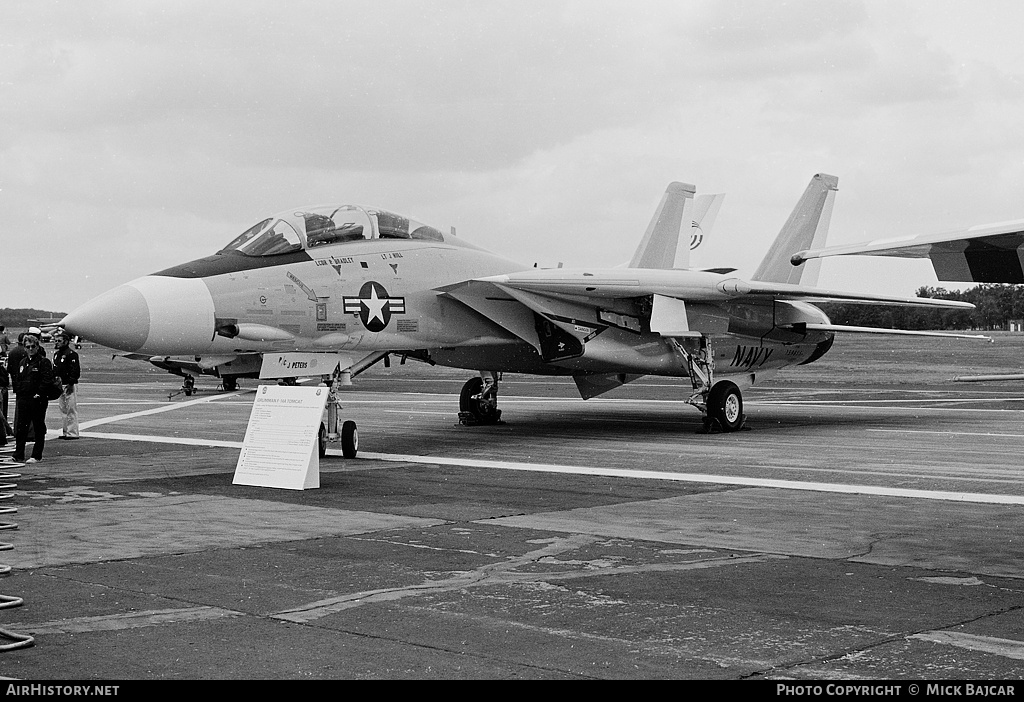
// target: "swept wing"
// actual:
[[687, 285]]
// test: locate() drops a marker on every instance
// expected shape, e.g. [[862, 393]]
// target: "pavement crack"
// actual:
[[493, 572]]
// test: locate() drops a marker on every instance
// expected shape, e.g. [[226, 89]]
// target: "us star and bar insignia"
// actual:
[[374, 306]]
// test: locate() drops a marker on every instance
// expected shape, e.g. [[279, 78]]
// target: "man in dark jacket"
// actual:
[[67, 366], [5, 386], [14, 358], [31, 380]]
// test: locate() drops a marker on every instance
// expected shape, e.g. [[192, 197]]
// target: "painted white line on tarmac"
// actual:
[[698, 478], [911, 404], [150, 438], [617, 472], [123, 402], [948, 433], [157, 410], [1009, 648]]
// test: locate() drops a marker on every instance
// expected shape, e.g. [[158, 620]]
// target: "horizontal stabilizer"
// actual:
[[878, 330], [781, 291], [989, 253]]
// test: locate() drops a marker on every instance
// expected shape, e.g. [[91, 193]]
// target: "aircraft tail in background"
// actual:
[[705, 210], [660, 248]]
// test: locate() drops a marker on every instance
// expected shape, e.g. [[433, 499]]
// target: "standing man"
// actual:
[[66, 365], [5, 386], [15, 356], [30, 382], [5, 383]]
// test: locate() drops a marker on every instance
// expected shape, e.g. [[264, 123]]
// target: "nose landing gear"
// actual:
[[348, 434]]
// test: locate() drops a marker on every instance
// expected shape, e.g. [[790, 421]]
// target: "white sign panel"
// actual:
[[280, 447], [296, 364]]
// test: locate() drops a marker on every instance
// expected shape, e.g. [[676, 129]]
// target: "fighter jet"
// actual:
[[328, 291]]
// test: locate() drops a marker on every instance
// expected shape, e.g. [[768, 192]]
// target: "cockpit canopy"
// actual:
[[319, 226]]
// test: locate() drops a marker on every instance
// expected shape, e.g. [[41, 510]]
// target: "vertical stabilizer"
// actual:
[[806, 228], [659, 248]]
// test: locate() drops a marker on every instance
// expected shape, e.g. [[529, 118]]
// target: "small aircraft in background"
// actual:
[[329, 291]]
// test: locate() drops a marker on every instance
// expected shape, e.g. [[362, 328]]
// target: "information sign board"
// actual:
[[281, 441]]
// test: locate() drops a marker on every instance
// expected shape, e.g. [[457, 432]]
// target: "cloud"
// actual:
[[135, 135]]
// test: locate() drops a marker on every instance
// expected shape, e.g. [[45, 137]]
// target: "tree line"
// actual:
[[15, 317], [995, 306]]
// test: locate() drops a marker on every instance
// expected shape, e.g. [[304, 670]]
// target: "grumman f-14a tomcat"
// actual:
[[329, 291]]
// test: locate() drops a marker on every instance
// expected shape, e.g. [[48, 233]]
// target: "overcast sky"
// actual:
[[139, 134]]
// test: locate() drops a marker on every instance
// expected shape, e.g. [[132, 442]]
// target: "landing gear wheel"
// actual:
[[230, 384], [725, 406], [188, 386], [321, 441], [349, 439], [474, 409]]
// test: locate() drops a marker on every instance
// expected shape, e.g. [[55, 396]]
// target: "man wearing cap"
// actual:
[[67, 367]]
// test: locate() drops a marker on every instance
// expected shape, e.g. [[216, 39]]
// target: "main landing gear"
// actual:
[[478, 401], [720, 403], [724, 407]]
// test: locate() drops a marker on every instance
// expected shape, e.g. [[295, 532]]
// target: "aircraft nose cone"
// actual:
[[118, 318], [154, 314]]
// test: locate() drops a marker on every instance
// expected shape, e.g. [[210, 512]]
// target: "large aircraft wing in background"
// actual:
[[987, 253]]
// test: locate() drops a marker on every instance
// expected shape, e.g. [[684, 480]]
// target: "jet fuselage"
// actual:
[[389, 295]]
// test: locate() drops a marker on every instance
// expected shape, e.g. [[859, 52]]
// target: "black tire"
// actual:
[[321, 441], [725, 406], [472, 387], [349, 439], [484, 412], [230, 383]]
